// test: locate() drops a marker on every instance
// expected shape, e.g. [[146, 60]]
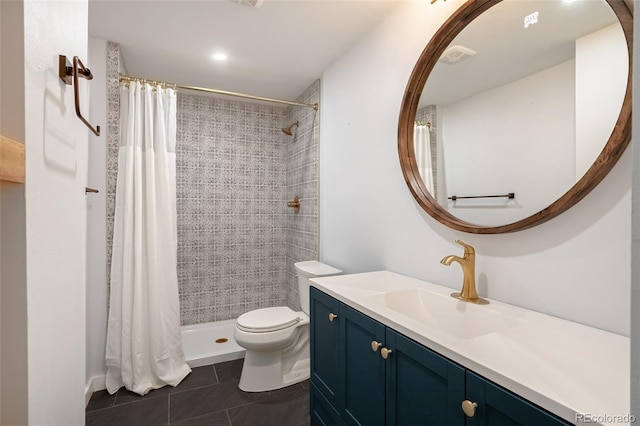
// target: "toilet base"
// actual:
[[264, 372], [269, 370]]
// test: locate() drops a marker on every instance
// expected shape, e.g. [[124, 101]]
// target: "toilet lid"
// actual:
[[267, 319]]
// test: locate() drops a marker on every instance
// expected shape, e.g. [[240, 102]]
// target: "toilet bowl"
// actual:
[[277, 339]]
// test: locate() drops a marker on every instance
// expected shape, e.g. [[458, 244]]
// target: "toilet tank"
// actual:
[[311, 269]]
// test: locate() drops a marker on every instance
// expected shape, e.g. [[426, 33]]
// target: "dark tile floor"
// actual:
[[208, 396]]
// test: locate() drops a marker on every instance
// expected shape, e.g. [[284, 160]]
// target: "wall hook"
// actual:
[[69, 74]]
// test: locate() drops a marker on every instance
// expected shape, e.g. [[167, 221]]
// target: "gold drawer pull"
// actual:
[[469, 408], [384, 352], [332, 316], [375, 346]]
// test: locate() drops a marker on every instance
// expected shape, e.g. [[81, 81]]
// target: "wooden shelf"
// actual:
[[11, 160]]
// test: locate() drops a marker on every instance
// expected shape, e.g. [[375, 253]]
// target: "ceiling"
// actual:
[[276, 50]]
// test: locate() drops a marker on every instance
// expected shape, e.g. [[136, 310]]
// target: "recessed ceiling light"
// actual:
[[220, 57]]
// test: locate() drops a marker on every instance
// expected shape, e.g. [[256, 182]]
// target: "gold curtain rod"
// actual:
[[128, 78]]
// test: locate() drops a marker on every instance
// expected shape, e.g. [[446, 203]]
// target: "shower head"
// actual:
[[288, 130]]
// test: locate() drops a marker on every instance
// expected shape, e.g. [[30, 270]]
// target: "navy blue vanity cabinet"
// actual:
[[497, 406], [392, 380], [365, 373], [374, 376], [322, 412], [327, 357], [423, 388]]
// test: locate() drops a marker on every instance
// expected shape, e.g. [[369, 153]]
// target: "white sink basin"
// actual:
[[357, 289], [445, 313]]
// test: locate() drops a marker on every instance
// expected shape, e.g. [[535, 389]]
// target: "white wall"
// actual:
[[575, 266], [97, 224], [517, 138], [56, 176]]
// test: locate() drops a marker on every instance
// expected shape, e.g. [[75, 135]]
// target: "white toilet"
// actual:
[[277, 339]]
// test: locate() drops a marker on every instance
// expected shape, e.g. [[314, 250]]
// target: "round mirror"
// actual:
[[516, 110]]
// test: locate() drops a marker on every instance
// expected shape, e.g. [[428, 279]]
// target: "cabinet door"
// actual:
[[423, 388], [364, 370], [499, 407], [322, 412], [327, 346]]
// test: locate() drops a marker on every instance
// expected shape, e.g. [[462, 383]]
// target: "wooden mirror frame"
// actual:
[[610, 154]]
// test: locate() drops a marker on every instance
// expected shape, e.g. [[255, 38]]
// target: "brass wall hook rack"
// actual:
[[69, 74], [295, 204]]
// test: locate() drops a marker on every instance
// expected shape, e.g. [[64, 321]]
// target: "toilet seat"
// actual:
[[267, 319]]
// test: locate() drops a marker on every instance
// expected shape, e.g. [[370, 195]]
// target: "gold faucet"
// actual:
[[468, 263]]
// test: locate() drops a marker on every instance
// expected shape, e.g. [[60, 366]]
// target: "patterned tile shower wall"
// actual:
[[237, 240], [115, 66], [302, 154], [231, 209]]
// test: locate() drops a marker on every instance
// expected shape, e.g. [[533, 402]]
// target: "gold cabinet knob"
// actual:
[[469, 408], [384, 352], [375, 346], [332, 316]]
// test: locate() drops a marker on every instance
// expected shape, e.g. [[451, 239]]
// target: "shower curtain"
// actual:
[[422, 144], [144, 345]]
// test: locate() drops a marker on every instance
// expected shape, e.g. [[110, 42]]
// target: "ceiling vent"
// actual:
[[252, 3], [455, 54]]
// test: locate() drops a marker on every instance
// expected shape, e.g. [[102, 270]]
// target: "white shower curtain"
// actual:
[[422, 144], [144, 345]]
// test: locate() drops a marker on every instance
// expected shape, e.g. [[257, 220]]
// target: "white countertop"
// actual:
[[565, 367]]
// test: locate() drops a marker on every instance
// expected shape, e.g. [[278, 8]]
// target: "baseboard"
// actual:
[[96, 383]]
